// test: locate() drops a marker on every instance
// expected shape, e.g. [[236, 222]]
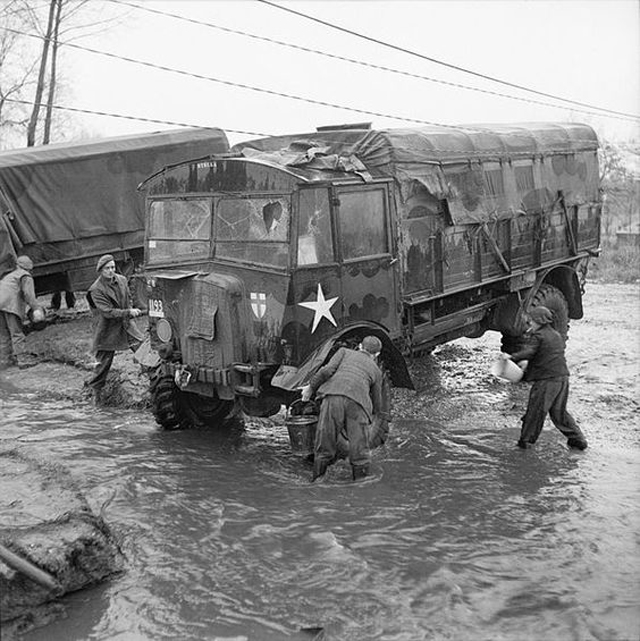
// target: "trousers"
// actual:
[[13, 343], [549, 396], [342, 424], [104, 360]]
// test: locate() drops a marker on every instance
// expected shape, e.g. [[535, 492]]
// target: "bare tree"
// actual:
[[35, 112], [17, 72], [55, 22], [52, 72]]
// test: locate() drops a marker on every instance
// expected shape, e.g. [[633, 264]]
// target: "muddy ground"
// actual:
[[65, 362], [454, 384]]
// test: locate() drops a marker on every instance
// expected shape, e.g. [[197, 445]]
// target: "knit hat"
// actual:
[[371, 344], [25, 262], [103, 260], [541, 315]]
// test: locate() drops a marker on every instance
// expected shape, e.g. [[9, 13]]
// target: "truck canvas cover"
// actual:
[[460, 164], [67, 201]]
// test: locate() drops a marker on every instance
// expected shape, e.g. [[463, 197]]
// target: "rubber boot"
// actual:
[[98, 397], [319, 468], [360, 471], [577, 443]]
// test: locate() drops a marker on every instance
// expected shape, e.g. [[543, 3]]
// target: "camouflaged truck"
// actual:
[[260, 262]]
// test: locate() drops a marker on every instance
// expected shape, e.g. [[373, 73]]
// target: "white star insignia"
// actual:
[[321, 308]]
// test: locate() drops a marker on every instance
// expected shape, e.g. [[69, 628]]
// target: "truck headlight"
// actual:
[[163, 330]]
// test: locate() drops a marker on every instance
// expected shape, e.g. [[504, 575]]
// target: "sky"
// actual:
[[584, 50]]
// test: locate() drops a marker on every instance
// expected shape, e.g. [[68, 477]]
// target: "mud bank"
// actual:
[[62, 349], [59, 544]]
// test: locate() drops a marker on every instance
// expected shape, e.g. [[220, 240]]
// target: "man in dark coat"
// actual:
[[113, 329], [350, 386], [17, 293], [547, 369]]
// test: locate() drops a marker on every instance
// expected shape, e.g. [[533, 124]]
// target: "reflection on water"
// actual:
[[458, 534]]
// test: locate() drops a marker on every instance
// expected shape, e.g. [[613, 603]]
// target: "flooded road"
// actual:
[[457, 535]]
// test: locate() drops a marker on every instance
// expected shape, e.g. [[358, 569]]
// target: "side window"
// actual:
[[362, 223], [315, 243]]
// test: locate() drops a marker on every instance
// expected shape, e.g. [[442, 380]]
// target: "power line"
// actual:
[[240, 85], [157, 121], [441, 62], [620, 116], [108, 114]]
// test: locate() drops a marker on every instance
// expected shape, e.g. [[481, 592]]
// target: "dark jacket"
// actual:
[[354, 375], [110, 303], [544, 350]]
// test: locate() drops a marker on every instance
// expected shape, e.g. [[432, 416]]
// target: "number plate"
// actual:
[[155, 308]]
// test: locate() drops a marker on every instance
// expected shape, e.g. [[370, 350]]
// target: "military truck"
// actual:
[[66, 204], [260, 262]]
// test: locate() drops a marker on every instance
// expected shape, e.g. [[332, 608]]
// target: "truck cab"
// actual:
[[256, 271]]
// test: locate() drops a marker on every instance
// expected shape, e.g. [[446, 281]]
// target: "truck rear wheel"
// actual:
[[174, 409], [553, 299]]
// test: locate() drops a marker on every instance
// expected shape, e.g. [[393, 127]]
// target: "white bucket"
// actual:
[[507, 370]]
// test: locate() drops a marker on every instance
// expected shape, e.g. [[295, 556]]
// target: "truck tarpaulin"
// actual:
[[463, 165]]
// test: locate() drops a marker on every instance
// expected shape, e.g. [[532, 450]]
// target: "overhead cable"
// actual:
[[457, 85], [157, 121], [442, 62], [240, 85]]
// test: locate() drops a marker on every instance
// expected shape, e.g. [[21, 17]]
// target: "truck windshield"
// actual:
[[253, 230], [179, 229]]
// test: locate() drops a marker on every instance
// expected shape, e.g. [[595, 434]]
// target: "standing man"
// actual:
[[16, 293], [113, 330], [548, 371], [350, 386]]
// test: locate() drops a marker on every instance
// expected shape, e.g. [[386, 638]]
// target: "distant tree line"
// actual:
[[620, 185]]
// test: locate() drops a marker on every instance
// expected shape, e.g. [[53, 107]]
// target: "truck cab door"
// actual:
[[367, 254]]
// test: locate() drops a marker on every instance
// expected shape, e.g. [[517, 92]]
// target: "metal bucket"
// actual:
[[302, 433]]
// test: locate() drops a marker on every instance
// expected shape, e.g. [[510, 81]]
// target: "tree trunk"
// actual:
[[52, 73], [33, 122]]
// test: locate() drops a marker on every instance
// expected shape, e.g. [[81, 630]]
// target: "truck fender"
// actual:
[[291, 378]]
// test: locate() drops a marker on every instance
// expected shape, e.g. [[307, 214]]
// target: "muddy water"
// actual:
[[458, 534]]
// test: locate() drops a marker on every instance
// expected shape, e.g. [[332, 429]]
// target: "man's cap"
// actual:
[[103, 260], [541, 315], [371, 344], [25, 262]]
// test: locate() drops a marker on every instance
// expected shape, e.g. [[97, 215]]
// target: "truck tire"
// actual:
[[379, 429], [204, 411], [553, 299], [174, 409], [165, 403]]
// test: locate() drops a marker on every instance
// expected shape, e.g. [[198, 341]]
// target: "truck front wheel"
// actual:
[[174, 409]]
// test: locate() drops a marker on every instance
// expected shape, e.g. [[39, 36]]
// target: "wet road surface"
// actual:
[[457, 535]]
